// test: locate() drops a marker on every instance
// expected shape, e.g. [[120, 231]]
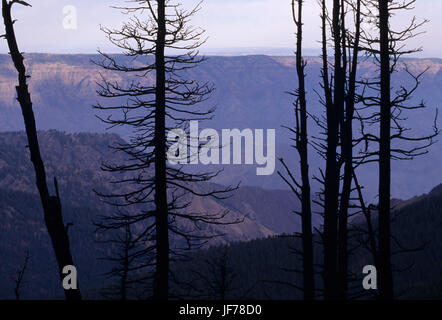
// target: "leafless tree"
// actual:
[[301, 145], [19, 281], [393, 140], [125, 257], [51, 204], [213, 277], [159, 47], [339, 84]]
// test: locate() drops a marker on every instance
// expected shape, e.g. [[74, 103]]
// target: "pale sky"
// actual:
[[229, 24]]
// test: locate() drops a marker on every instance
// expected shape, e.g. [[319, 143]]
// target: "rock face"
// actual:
[[63, 88], [251, 93]]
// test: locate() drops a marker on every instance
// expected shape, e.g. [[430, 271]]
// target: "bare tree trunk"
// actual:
[[302, 144], [161, 286], [334, 113], [126, 261], [366, 211], [20, 276], [347, 155], [51, 204], [385, 273], [151, 110]]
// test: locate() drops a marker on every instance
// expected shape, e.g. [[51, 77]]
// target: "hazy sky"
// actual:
[[229, 24]]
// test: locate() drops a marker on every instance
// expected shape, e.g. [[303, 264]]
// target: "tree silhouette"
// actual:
[[387, 47], [339, 84], [385, 272], [213, 277], [159, 100], [51, 204], [334, 104], [125, 251], [19, 282], [301, 145]]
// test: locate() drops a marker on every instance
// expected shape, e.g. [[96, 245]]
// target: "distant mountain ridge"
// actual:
[[251, 93]]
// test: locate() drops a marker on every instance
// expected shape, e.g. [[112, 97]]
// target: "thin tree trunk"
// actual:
[[51, 204], [347, 154], [307, 238], [385, 273], [126, 262], [124, 286], [331, 190], [161, 286], [346, 119], [367, 214]]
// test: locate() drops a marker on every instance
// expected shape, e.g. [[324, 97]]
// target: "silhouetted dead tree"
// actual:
[[212, 278], [341, 31], [334, 104], [301, 145], [367, 212], [220, 278], [51, 204], [387, 46], [339, 89], [350, 44], [384, 260], [19, 282], [160, 47], [126, 253]]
